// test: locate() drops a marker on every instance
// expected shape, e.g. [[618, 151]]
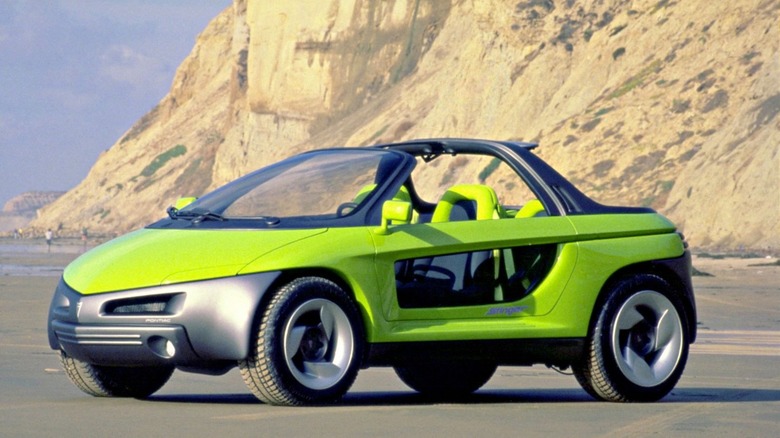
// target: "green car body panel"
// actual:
[[201, 281], [150, 257]]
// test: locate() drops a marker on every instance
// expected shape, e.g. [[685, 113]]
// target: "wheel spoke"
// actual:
[[638, 366], [293, 341], [321, 369], [628, 318], [328, 320], [665, 330]]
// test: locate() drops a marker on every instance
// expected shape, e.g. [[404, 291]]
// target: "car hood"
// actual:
[[151, 257]]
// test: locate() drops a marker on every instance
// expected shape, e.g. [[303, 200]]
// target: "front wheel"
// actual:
[[638, 346], [104, 381], [308, 345]]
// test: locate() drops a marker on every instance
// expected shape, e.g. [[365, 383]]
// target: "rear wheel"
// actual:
[[104, 381], [445, 379], [638, 346], [308, 345]]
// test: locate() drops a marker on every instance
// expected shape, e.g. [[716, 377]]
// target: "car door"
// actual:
[[476, 278], [472, 278]]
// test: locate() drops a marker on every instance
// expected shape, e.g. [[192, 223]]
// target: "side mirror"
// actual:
[[395, 211], [183, 202]]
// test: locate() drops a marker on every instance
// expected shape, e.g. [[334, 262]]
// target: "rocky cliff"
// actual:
[[671, 104], [28, 203], [21, 209]]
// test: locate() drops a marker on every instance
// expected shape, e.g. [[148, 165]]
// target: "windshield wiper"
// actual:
[[208, 216], [173, 212], [196, 215], [269, 220]]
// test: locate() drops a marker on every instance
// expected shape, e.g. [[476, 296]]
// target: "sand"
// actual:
[[730, 387]]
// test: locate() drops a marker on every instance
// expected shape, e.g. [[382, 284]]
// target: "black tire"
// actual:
[[103, 381], [445, 380], [638, 345], [308, 345]]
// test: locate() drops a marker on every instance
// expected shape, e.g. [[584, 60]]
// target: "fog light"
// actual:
[[162, 347], [170, 349]]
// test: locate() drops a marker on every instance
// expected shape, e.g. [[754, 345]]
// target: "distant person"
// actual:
[[49, 235], [84, 237]]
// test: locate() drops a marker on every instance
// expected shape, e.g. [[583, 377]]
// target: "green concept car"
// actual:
[[441, 258]]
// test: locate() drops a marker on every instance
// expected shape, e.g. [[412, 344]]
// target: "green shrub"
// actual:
[[489, 169], [603, 111], [378, 133], [666, 186], [160, 160], [587, 35], [637, 79]]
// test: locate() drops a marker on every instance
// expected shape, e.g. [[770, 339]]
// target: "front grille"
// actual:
[[154, 305]]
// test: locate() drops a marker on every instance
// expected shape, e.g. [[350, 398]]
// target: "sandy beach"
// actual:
[[731, 386], [32, 257]]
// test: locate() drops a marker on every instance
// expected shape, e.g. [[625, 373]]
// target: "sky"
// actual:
[[76, 74]]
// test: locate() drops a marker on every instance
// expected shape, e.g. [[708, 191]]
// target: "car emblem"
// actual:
[[508, 311]]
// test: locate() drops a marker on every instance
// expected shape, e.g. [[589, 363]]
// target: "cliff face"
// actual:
[[28, 203], [21, 209], [661, 103]]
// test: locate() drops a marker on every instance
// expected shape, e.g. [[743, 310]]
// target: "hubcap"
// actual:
[[647, 338], [314, 344], [318, 344]]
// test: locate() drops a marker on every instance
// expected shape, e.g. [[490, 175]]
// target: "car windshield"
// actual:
[[323, 184]]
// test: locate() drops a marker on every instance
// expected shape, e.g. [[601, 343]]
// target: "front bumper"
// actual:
[[130, 345], [185, 325]]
